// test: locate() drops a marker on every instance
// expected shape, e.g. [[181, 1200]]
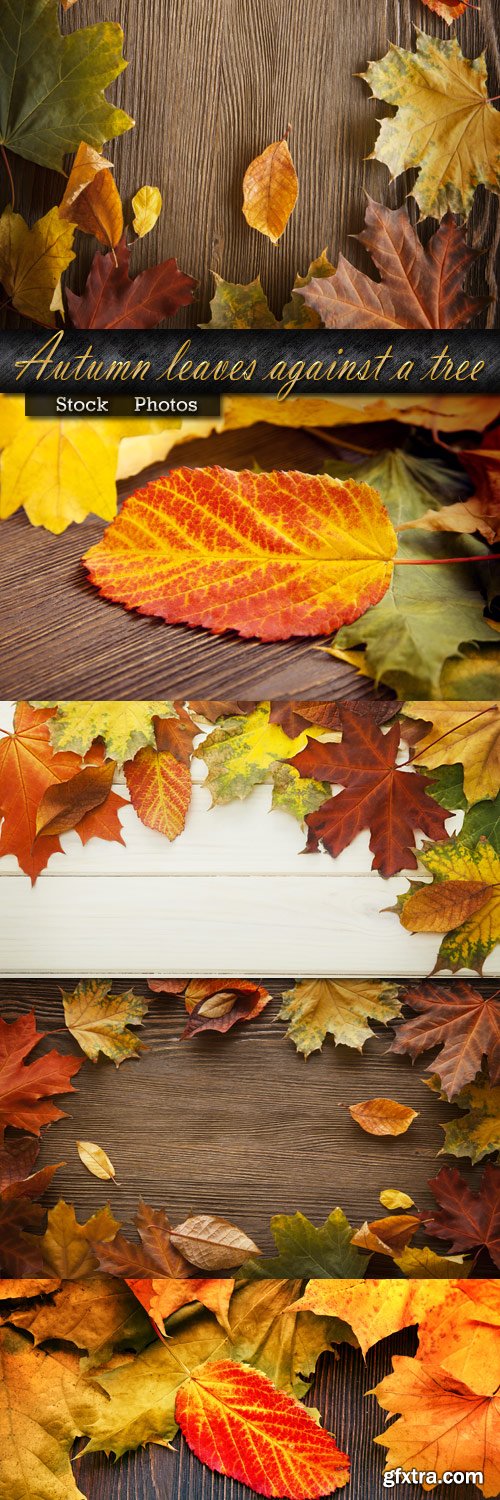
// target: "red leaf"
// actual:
[[378, 795], [112, 300], [160, 790], [236, 1421], [470, 1220], [28, 767], [25, 1088]]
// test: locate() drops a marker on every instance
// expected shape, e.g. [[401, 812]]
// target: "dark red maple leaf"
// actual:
[[464, 1023], [112, 299], [26, 1089], [470, 1220], [378, 794]]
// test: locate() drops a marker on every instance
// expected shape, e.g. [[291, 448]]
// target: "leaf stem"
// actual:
[[9, 174], [437, 562]]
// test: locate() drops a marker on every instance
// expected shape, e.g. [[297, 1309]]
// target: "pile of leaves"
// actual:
[[445, 126], [337, 768]]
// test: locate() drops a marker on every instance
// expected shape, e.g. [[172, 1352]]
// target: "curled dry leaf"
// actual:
[[383, 1116], [387, 1236], [147, 206], [95, 1160], [91, 198], [65, 804], [321, 552], [222, 1004], [212, 1243], [270, 189], [449, 10]]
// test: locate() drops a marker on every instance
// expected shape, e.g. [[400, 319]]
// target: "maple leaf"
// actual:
[[99, 1021], [467, 735], [243, 752], [155, 1256], [317, 1008], [419, 288], [97, 1314], [480, 512], [449, 10], [147, 206], [91, 198], [238, 306], [26, 1088], [463, 1335], [112, 299], [220, 1004], [305, 1251], [463, 902], [159, 782], [443, 1425], [32, 261], [382, 1116], [470, 1220], [67, 1245], [53, 93], [295, 794], [269, 555], [270, 189], [444, 125], [377, 795], [162, 1296], [458, 1019], [45, 1403], [124, 726], [212, 1243], [236, 1422], [374, 1309], [28, 767], [21, 1218], [60, 472], [477, 1133]]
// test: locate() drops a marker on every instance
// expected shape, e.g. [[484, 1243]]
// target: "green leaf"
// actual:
[[447, 786], [52, 86], [305, 1251], [236, 306], [296, 794], [296, 313], [482, 822]]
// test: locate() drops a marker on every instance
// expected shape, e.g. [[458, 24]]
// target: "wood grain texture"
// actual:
[[240, 1125], [211, 85], [62, 640]]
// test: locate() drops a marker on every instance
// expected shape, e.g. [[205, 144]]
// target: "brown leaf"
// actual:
[[222, 1004], [114, 299], [65, 803], [270, 189], [387, 1236], [167, 986], [382, 1116], [176, 737], [155, 1256], [91, 198], [212, 1243]]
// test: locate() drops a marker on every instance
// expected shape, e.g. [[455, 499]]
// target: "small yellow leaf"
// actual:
[[147, 206], [391, 1198], [95, 1160], [270, 189]]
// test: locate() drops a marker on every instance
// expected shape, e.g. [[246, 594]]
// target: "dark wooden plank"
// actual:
[[70, 643], [211, 85], [242, 1126]]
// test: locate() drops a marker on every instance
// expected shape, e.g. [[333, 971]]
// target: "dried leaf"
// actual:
[[99, 1021], [112, 299], [393, 1198], [383, 1116], [222, 1004], [468, 735], [449, 10], [236, 306], [270, 189], [477, 1133], [27, 1087], [160, 790], [468, 1219], [212, 1243], [95, 1160], [317, 1008], [163, 1296], [91, 198], [463, 902], [65, 804], [304, 1250], [32, 262], [458, 1019], [243, 752], [124, 726], [441, 1423], [155, 1256], [67, 1245], [61, 471], [45, 1403], [321, 552], [387, 1236], [28, 767], [374, 1309], [98, 1314], [147, 206], [54, 85], [444, 124]]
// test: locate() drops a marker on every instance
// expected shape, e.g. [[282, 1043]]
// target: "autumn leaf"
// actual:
[[28, 767], [26, 1088], [423, 1264], [235, 305], [91, 198], [463, 902], [442, 1425], [444, 124], [243, 752], [270, 189], [67, 1245], [388, 1236], [32, 261], [374, 1309], [147, 206], [305, 1251], [21, 1216], [392, 1198], [114, 299], [461, 1021], [53, 95], [482, 464], [463, 1335], [469, 1219], [382, 1116], [468, 735], [98, 1314], [449, 10], [163, 1296], [320, 552], [221, 1004], [45, 1403], [298, 313], [377, 794], [317, 1008], [418, 288], [64, 805], [295, 794], [124, 726], [476, 1133], [160, 783], [212, 1243], [236, 1422], [100, 1021], [61, 471], [95, 1160], [155, 1256]]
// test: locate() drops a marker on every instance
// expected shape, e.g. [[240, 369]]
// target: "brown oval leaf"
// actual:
[[382, 1116], [65, 803], [212, 1243]]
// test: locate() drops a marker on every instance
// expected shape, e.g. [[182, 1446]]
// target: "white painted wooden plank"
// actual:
[[210, 925]]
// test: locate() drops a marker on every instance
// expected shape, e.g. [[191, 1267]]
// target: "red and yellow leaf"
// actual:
[[28, 767]]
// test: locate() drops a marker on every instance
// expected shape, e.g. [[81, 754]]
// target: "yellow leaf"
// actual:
[[467, 734], [91, 199], [60, 471], [45, 1403], [95, 1160], [32, 261], [339, 1007], [392, 1198], [463, 902], [270, 189], [382, 1116], [124, 725], [67, 1245], [147, 206]]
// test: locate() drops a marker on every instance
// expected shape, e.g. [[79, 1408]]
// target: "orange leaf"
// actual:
[[28, 767], [25, 1088], [91, 199], [442, 1424], [268, 555], [373, 1309], [164, 1295], [387, 1236], [237, 1422], [462, 1336], [270, 189], [160, 790], [382, 1116], [449, 10]]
